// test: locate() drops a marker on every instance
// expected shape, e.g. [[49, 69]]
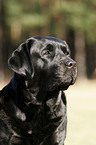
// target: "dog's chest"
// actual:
[[24, 123], [35, 119]]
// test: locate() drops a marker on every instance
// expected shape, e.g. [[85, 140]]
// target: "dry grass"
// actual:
[[81, 101]]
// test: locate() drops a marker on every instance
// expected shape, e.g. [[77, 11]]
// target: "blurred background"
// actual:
[[70, 20]]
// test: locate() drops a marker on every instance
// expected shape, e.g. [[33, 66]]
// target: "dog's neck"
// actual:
[[35, 94]]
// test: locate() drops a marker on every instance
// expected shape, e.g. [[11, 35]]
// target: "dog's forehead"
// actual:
[[52, 40], [41, 42]]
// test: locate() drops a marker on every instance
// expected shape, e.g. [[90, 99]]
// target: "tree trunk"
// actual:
[[1, 43], [80, 54]]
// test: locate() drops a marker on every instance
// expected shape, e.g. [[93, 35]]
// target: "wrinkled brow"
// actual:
[[65, 49]]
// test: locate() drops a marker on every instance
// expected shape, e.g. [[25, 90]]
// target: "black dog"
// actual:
[[33, 105]]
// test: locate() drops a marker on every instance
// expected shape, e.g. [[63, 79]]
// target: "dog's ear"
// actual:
[[20, 61]]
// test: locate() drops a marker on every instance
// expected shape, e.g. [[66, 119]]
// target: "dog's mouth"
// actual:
[[65, 85]]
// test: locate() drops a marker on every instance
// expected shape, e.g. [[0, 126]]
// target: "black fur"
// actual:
[[33, 104]]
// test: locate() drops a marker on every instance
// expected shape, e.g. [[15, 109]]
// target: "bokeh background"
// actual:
[[70, 20]]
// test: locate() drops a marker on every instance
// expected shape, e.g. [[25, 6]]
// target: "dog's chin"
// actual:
[[61, 86], [65, 85]]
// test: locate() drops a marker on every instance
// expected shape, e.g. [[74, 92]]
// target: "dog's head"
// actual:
[[44, 61]]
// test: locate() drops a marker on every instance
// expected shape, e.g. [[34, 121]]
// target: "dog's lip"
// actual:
[[74, 79], [65, 85], [61, 86]]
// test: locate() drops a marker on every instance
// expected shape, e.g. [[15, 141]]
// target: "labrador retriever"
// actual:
[[33, 104]]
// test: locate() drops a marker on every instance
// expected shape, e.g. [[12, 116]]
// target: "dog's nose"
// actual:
[[70, 63]]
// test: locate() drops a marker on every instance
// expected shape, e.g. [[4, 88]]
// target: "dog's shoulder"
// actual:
[[4, 128], [5, 97], [1, 98], [0, 93], [3, 93]]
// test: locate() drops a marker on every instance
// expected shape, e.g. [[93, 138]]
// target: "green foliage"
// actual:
[[40, 13], [24, 15], [80, 15]]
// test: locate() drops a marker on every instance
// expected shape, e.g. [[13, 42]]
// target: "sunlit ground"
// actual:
[[81, 104]]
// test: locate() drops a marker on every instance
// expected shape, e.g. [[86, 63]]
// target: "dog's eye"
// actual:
[[47, 52], [67, 53]]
